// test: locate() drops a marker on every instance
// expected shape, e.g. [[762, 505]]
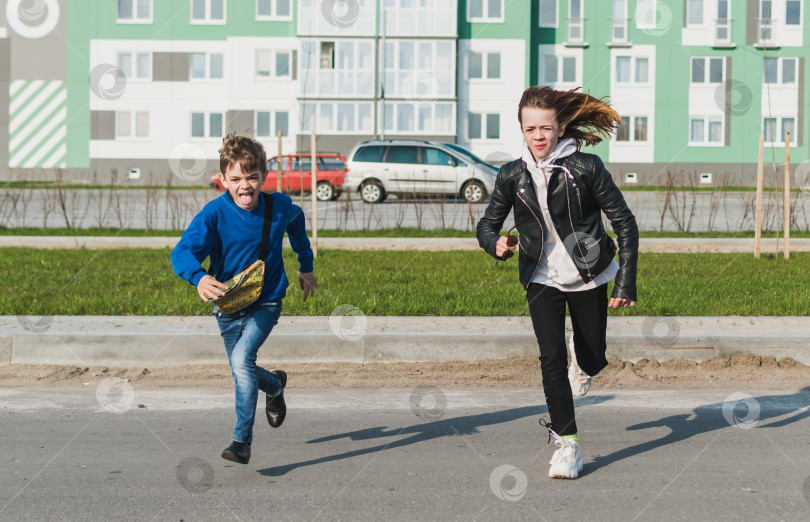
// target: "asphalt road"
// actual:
[[423, 454], [158, 210]]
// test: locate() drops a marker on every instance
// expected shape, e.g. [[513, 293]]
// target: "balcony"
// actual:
[[576, 33], [618, 33], [722, 33], [765, 34]]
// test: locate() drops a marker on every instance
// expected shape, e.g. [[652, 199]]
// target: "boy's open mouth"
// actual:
[[246, 198]]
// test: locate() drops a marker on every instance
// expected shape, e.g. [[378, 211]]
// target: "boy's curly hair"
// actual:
[[586, 119], [248, 152]]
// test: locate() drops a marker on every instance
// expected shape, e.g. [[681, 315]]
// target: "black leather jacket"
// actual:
[[575, 204]]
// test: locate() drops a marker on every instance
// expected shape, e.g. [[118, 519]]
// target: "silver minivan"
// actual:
[[406, 168]]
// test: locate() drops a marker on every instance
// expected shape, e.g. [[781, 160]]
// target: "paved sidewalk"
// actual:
[[685, 245], [350, 336]]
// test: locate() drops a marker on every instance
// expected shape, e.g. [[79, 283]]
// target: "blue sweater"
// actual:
[[231, 236]]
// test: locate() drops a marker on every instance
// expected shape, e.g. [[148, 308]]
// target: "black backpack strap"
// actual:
[[268, 223]]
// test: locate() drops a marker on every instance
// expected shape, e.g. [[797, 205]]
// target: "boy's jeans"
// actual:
[[243, 333]]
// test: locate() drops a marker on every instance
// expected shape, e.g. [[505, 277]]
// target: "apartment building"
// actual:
[[149, 87]]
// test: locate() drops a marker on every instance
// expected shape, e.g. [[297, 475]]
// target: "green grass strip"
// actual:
[[141, 282], [406, 232]]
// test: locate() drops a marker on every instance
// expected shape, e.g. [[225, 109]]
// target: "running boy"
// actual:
[[229, 231]]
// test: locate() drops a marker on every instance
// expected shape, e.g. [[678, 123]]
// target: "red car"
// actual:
[[330, 175]]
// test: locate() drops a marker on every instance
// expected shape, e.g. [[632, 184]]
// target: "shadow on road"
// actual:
[[746, 413], [421, 432]]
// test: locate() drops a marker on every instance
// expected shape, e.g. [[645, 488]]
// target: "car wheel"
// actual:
[[474, 192], [372, 192], [324, 191]]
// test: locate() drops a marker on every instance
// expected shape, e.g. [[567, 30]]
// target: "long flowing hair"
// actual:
[[586, 119]]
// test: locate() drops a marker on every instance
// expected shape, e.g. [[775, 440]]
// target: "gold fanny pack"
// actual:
[[245, 287]]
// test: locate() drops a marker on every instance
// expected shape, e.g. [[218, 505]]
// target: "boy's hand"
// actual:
[[307, 283], [210, 289]]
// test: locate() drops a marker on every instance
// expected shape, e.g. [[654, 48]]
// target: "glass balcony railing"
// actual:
[[722, 31], [576, 30], [765, 32], [618, 30]]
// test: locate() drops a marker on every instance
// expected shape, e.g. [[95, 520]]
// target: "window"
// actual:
[[555, 69], [695, 12], [793, 12], [426, 74], [343, 68], [272, 164], [283, 123], [421, 118], [372, 153], [263, 123], [206, 66], [779, 70], [632, 129], [715, 71], [478, 69], [548, 13], [207, 11], [402, 154], [135, 11], [431, 156], [273, 64], [273, 10], [632, 69], [706, 130], [788, 70], [476, 129], [132, 124], [135, 66], [327, 55], [485, 10], [207, 124], [772, 126], [618, 32], [332, 117]]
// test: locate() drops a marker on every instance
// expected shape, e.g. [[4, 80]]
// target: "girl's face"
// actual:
[[541, 131]]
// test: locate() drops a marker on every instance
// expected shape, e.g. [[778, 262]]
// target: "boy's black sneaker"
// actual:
[[238, 452], [275, 407]]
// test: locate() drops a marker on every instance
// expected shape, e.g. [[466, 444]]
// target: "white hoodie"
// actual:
[[556, 268]]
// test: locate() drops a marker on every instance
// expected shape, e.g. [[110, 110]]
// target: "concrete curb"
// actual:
[[674, 245], [353, 337]]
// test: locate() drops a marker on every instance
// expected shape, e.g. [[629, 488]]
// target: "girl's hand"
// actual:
[[620, 302], [505, 244]]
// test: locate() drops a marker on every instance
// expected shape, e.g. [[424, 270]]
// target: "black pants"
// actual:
[[588, 310]]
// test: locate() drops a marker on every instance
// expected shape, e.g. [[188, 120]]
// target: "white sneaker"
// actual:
[[580, 381], [567, 460]]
